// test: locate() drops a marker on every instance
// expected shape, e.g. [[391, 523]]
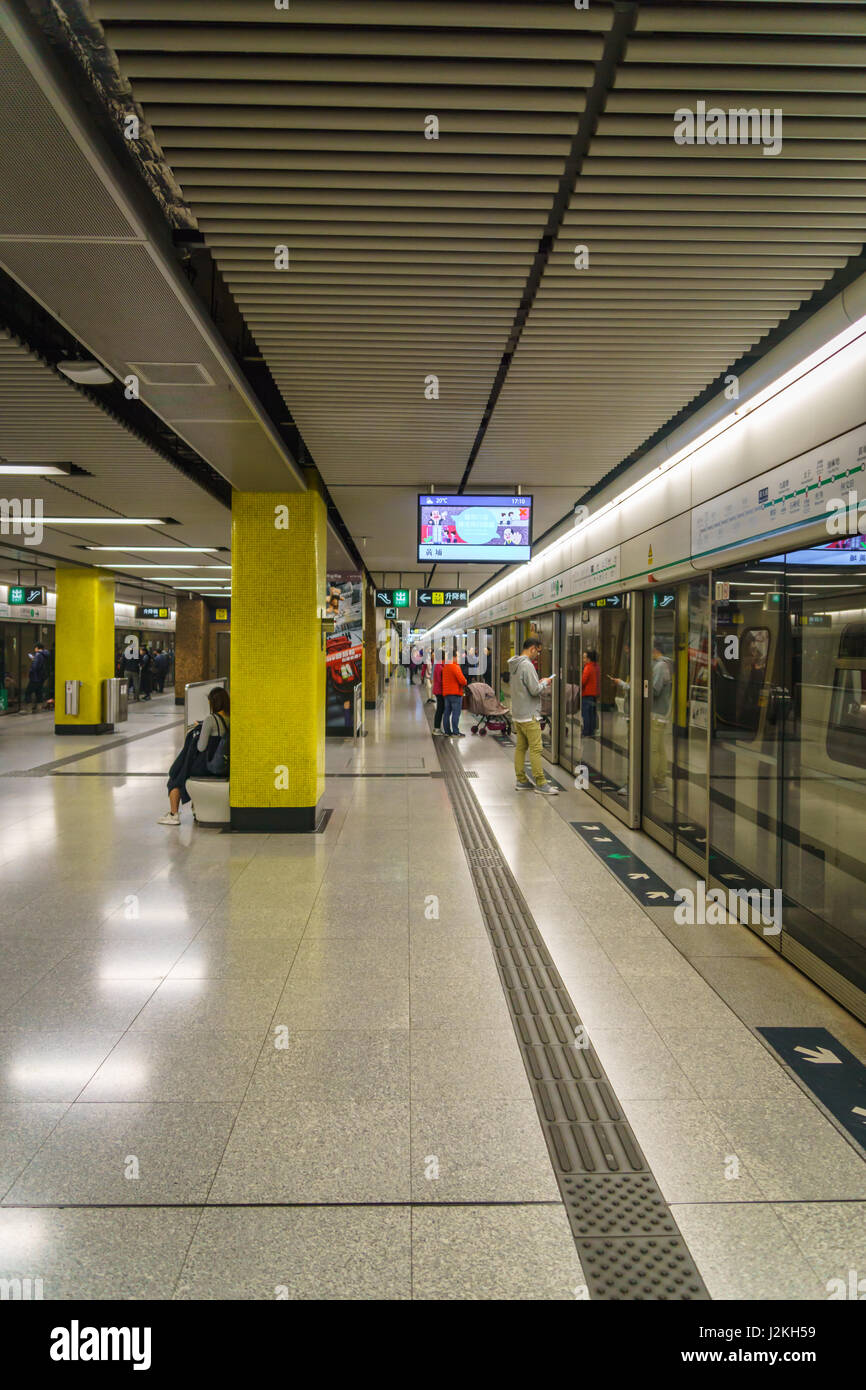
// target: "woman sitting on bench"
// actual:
[[200, 754]]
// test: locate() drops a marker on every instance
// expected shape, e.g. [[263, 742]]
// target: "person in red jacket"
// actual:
[[453, 681], [589, 691], [437, 693]]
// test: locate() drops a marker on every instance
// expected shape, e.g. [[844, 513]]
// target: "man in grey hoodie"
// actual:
[[526, 691]]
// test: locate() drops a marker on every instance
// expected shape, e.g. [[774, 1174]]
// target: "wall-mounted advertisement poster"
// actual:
[[344, 650]]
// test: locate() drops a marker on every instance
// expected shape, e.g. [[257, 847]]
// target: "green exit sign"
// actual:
[[401, 598], [26, 594]]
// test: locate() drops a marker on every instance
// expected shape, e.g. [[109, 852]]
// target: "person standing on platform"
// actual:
[[437, 693], [589, 692], [453, 683], [36, 678], [132, 671], [526, 691]]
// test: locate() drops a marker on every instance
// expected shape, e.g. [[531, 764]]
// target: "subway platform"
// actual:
[[255, 1067]]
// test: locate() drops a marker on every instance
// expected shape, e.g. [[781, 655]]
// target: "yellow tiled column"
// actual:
[[84, 647], [277, 763]]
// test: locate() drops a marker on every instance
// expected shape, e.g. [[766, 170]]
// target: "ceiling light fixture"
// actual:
[[88, 372], [32, 470], [159, 549], [103, 521]]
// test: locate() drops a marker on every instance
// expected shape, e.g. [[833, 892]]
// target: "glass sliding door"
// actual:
[[821, 711], [569, 693], [603, 743], [675, 718], [543, 627], [751, 690]]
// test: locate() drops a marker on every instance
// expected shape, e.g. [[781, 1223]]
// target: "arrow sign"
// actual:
[[827, 1069], [820, 1055], [636, 877]]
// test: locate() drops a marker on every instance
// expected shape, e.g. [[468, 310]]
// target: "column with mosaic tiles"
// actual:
[[84, 647], [277, 764]]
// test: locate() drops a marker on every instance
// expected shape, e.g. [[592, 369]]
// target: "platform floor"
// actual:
[[257, 1066]]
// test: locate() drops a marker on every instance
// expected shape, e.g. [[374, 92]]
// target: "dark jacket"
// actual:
[[39, 667]]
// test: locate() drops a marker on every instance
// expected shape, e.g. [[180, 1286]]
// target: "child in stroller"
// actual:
[[481, 700]]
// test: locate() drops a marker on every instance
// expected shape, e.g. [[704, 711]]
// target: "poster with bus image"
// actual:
[[344, 650]]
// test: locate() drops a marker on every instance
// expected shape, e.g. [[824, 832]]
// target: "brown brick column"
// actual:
[[374, 632], [190, 644]]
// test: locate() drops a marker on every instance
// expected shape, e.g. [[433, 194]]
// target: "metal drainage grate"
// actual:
[[627, 1240]]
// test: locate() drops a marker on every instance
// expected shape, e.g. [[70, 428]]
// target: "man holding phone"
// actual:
[[526, 691]]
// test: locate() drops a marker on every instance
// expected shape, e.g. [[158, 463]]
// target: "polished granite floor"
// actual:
[[269, 1066]]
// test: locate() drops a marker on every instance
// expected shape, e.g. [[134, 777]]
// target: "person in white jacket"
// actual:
[[526, 691]]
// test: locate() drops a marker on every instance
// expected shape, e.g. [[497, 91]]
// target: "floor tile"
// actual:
[[185, 1066], [295, 1254], [491, 1253], [98, 1253], [744, 1252], [23, 1127], [90, 1157]]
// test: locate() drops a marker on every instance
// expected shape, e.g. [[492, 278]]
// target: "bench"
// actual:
[[210, 800]]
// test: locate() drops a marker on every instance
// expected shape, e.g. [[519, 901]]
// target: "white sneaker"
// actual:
[[437, 733], [169, 819], [548, 790]]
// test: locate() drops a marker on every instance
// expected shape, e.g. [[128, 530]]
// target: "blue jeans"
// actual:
[[451, 720], [588, 713]]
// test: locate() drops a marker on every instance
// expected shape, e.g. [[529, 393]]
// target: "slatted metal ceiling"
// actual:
[[409, 256], [44, 419]]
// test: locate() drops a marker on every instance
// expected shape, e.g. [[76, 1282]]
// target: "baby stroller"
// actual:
[[481, 700]]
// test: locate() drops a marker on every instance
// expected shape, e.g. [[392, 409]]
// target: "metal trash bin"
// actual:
[[72, 697], [115, 700]]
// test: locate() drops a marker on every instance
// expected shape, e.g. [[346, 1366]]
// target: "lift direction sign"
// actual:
[[436, 598], [830, 1071], [633, 873]]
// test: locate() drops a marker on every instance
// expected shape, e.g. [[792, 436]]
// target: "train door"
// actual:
[[751, 689], [569, 688], [676, 718], [544, 628], [604, 744], [12, 642]]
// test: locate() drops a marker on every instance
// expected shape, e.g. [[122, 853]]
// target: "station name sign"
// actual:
[[143, 612]]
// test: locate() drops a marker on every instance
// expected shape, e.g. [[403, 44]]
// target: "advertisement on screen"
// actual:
[[474, 530], [344, 649]]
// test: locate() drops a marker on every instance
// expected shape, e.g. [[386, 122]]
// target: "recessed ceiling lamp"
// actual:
[[32, 470], [87, 372]]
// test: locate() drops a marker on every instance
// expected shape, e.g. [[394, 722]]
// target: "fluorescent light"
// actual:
[[112, 566], [27, 470], [102, 521], [158, 549]]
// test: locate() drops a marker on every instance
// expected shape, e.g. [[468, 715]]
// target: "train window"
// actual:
[[852, 643], [846, 734]]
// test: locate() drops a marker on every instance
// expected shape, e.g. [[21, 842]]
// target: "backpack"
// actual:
[[218, 760]]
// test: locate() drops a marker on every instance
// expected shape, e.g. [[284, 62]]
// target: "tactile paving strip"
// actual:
[[628, 1242]]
